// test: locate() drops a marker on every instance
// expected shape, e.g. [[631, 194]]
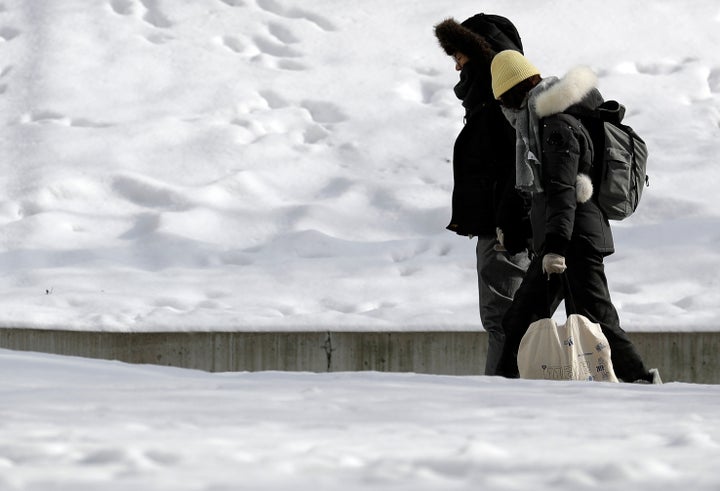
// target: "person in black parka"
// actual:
[[485, 203], [571, 236]]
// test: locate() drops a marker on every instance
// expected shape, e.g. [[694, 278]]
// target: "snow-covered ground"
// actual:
[[262, 164], [68, 424]]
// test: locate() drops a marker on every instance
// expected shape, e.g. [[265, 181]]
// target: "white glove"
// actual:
[[553, 264], [500, 246]]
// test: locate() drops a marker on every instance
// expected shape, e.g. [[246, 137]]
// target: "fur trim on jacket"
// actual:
[[583, 188], [568, 91]]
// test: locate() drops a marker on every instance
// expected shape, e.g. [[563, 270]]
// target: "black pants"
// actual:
[[539, 297]]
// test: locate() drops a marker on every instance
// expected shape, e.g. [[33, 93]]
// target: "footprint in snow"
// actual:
[[148, 193], [275, 7], [9, 33], [270, 47], [714, 80], [52, 117], [273, 99], [154, 16], [282, 33], [233, 44], [123, 7], [5, 72], [323, 112]]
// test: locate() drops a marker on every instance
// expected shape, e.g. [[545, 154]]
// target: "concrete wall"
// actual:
[[683, 357]]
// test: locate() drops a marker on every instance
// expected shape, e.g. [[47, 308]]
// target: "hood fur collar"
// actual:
[[566, 92], [575, 86], [455, 37]]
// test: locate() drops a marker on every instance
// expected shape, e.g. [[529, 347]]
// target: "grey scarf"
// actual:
[[528, 148]]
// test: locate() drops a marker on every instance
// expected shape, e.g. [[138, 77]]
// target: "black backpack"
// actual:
[[620, 163]]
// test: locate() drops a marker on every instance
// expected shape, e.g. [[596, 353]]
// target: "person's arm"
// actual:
[[560, 159], [513, 210]]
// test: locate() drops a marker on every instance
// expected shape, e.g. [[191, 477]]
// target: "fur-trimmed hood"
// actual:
[[480, 37], [577, 87], [574, 92], [454, 37]]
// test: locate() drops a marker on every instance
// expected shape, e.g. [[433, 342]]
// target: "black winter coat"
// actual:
[[484, 194], [557, 216]]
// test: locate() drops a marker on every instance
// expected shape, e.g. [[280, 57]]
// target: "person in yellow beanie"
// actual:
[[484, 196], [571, 236]]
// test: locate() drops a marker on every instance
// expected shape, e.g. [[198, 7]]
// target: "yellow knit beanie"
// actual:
[[508, 69]]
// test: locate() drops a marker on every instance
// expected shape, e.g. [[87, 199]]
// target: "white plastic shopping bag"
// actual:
[[576, 350]]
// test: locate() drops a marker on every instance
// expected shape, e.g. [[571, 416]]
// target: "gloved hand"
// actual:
[[553, 264], [500, 246]]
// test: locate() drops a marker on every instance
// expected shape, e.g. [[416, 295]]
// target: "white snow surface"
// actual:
[[269, 164], [71, 424]]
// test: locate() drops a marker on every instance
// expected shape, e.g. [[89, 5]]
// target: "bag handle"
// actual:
[[570, 307], [569, 300]]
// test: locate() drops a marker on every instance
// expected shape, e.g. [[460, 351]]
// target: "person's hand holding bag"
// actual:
[[553, 264]]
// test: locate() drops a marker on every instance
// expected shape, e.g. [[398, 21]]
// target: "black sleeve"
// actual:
[[560, 159], [514, 218]]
